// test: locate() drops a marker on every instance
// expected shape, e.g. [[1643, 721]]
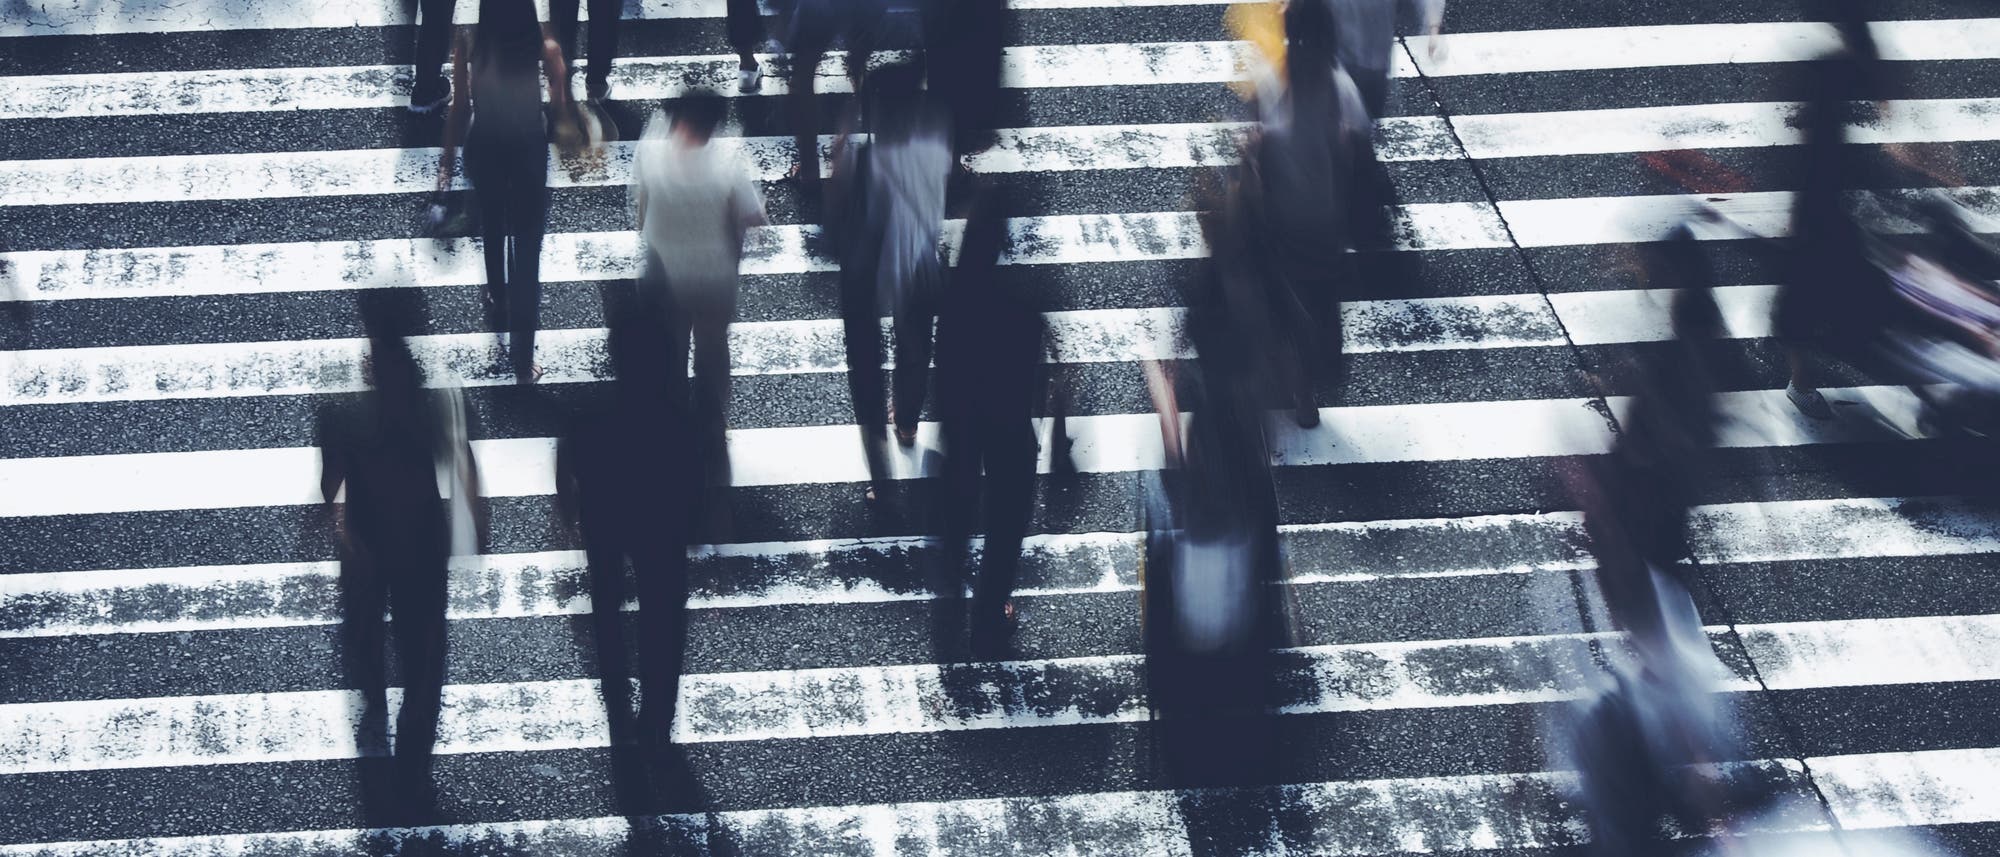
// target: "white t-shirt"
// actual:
[[694, 203]]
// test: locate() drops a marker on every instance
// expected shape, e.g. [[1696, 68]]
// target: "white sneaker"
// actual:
[[750, 79]]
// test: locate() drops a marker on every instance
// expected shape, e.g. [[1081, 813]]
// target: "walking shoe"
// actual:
[[426, 100], [750, 79], [1809, 402], [596, 88]]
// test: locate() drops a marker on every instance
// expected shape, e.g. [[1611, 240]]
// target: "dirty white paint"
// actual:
[[877, 700], [320, 366], [1883, 790], [593, 256], [878, 570], [1450, 431], [87, 17], [1626, 219], [1523, 51], [266, 175]]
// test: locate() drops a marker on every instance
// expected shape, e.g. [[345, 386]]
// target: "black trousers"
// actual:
[[510, 184], [746, 26], [603, 35], [404, 573], [433, 45], [1005, 451], [861, 330], [659, 573]]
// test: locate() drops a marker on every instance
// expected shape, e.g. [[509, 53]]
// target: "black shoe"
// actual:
[[596, 88], [427, 100]]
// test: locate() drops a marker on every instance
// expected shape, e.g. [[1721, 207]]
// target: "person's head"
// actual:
[[894, 98], [508, 34], [697, 114], [389, 316], [641, 358]]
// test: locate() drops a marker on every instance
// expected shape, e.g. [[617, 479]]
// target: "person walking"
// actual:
[[910, 164], [496, 113], [746, 35], [395, 534], [603, 40], [628, 478], [694, 203], [989, 373]]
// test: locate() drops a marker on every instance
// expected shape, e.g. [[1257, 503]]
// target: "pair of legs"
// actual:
[[862, 330], [698, 319], [603, 39], [510, 184], [1005, 450], [404, 573], [659, 572], [746, 32], [814, 25]]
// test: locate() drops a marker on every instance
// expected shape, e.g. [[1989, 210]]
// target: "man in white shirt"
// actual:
[[694, 202]]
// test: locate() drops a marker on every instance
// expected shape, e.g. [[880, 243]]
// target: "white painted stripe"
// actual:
[[1626, 219], [1645, 315], [1524, 51], [320, 366], [176, 16], [265, 175], [1117, 64], [271, 175], [1712, 126], [1883, 790], [1526, 811], [1063, 239], [590, 256], [1453, 431], [877, 570], [877, 700], [634, 79]]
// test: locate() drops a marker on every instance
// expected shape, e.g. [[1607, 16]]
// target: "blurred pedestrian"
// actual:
[[604, 16], [1366, 41], [627, 474], [387, 451], [430, 89], [989, 373], [1212, 565], [496, 93], [694, 203], [811, 28], [964, 55], [910, 163]]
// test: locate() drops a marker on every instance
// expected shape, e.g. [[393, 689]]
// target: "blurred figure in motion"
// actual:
[[694, 203], [1662, 713], [1830, 287], [1212, 563], [429, 87], [811, 26], [1366, 40], [603, 41], [496, 93], [886, 219], [989, 373], [911, 161], [964, 56], [1358, 37], [628, 476], [388, 450]]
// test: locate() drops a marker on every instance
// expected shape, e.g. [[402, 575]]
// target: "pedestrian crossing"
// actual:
[[186, 224]]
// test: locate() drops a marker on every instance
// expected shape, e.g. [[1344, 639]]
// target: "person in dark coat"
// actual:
[[395, 537], [989, 377], [629, 473]]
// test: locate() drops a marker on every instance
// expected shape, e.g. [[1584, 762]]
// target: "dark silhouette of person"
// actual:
[[629, 474], [989, 376], [603, 40], [964, 49], [395, 537], [496, 110], [746, 35]]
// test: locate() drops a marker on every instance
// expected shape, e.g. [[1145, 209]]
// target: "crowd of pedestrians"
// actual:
[[1263, 318]]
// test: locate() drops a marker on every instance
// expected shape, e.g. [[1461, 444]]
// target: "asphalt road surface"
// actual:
[[194, 191]]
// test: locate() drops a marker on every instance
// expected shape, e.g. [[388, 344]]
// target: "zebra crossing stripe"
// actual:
[[747, 576], [536, 716], [1024, 67], [1114, 443], [273, 175]]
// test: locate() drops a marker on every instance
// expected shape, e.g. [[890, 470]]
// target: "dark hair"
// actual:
[[389, 316], [700, 111], [893, 99]]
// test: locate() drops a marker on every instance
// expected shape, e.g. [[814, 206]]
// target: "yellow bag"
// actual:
[[1262, 25]]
